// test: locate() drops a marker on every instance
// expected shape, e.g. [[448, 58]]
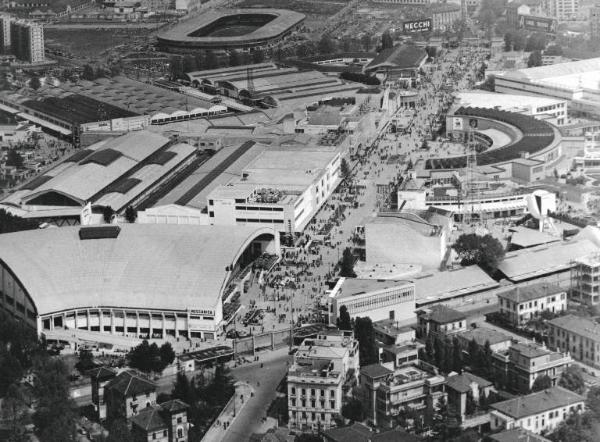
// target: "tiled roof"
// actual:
[[535, 403], [462, 382], [531, 292], [483, 335], [581, 326], [129, 384], [149, 419], [444, 315], [174, 406]]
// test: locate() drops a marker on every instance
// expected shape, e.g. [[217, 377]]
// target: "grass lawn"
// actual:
[[90, 42]]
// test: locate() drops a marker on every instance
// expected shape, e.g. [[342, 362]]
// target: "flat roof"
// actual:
[[481, 335], [150, 266], [525, 237], [507, 102], [535, 403], [448, 284], [354, 286], [541, 260], [284, 20]]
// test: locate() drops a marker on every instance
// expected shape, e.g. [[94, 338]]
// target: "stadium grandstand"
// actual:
[[530, 138], [133, 280], [69, 115], [115, 173], [266, 79], [242, 29]]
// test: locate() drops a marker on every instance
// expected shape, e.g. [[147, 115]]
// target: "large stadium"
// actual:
[[242, 29]]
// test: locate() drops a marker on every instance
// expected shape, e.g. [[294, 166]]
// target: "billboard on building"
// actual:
[[539, 24], [457, 123], [422, 25]]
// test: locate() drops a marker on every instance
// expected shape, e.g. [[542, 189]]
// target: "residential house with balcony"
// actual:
[[521, 304], [517, 368], [537, 412], [397, 342], [578, 336], [586, 280], [322, 369], [389, 393]]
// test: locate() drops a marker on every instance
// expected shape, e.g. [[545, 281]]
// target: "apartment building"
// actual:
[[536, 412], [521, 304], [27, 40], [397, 342], [578, 336], [386, 393], [445, 15], [585, 278], [316, 379], [440, 319], [564, 9], [517, 368], [460, 386]]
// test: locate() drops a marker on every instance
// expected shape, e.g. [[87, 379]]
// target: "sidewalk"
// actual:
[[217, 431]]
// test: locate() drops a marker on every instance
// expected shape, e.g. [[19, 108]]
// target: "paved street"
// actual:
[[248, 420]]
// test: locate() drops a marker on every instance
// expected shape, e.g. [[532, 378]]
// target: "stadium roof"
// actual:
[[535, 403], [534, 262], [284, 20], [153, 266], [507, 102]]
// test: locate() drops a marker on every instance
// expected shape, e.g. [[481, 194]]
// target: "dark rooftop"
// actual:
[[103, 157], [78, 109], [375, 370], [361, 433], [531, 292], [149, 419], [128, 384], [462, 382], [99, 232], [400, 56], [444, 315]]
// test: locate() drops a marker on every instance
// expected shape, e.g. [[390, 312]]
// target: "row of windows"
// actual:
[[304, 415], [255, 220], [379, 301], [313, 403], [313, 392], [264, 209]]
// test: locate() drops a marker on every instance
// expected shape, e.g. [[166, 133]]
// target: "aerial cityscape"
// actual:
[[300, 220]]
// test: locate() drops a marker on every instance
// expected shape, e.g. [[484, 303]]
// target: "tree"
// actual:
[[554, 50], [386, 40], [55, 415], [146, 358], [88, 73], [572, 379], [345, 169], [10, 223], [593, 401], [485, 251], [541, 383], [325, 45], [307, 437], [344, 322], [119, 432], [347, 265], [189, 65], [536, 42], [440, 353], [234, 58], [365, 335], [35, 83], [470, 405], [107, 214], [258, 56], [86, 361], [457, 356], [366, 41], [473, 351], [176, 68], [14, 159], [167, 354], [353, 410], [535, 59], [130, 214]]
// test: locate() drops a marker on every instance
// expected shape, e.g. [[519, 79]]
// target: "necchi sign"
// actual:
[[417, 25]]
